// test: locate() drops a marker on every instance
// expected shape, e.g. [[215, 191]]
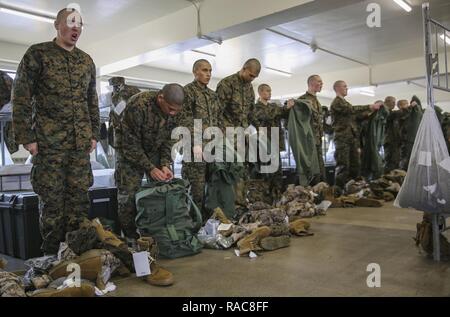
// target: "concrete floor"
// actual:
[[333, 262]]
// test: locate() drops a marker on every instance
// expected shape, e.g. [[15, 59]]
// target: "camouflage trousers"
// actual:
[[391, 157], [348, 162], [405, 155], [196, 174], [62, 181], [128, 182], [322, 176]]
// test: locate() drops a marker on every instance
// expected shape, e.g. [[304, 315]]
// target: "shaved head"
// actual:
[[253, 64], [389, 102], [338, 84], [173, 94], [199, 64], [263, 87], [313, 78]]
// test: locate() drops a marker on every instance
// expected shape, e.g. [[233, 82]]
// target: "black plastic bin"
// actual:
[[19, 223], [104, 206]]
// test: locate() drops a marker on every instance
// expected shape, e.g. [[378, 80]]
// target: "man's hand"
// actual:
[[168, 173], [157, 175], [32, 148], [93, 145], [290, 103], [198, 153], [413, 104]]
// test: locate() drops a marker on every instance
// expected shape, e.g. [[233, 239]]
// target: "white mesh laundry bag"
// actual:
[[427, 184]]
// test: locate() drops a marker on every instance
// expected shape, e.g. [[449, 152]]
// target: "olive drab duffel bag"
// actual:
[[163, 213]]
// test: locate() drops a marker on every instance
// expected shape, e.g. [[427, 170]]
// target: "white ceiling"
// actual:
[[102, 18], [343, 31]]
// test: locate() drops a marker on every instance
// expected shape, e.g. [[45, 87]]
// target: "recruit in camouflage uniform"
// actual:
[[269, 116], [392, 142], [5, 97], [346, 136], [144, 144], [237, 97], [121, 92], [317, 127], [55, 106], [200, 103]]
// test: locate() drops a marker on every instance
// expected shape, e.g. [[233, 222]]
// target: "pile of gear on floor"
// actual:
[[91, 252], [267, 224]]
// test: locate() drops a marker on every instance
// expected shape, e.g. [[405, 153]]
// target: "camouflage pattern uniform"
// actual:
[[11, 285], [122, 92], [270, 116], [144, 143], [392, 142], [446, 128], [200, 103], [55, 104], [317, 127], [5, 97], [237, 99], [346, 139]]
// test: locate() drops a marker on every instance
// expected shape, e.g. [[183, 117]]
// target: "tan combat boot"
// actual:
[[159, 276], [90, 264], [300, 228], [85, 290], [219, 215], [105, 236], [251, 242]]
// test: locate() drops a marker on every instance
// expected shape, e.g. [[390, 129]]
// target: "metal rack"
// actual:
[[435, 80]]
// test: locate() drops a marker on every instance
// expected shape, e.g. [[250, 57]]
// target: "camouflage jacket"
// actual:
[[316, 117], [145, 133], [5, 88], [200, 103], [125, 93], [269, 116], [345, 117], [55, 100], [393, 135], [237, 98]]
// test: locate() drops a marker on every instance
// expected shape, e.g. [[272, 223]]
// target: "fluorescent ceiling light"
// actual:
[[204, 53], [279, 72], [447, 38], [405, 6], [28, 15]]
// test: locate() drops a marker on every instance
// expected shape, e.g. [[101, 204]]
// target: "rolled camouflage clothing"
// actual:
[[346, 139], [144, 144], [200, 103], [55, 105], [11, 285]]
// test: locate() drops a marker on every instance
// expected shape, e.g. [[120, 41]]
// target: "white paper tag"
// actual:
[[224, 227], [141, 264], [425, 158], [324, 205], [286, 220], [120, 107], [252, 255], [237, 252]]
